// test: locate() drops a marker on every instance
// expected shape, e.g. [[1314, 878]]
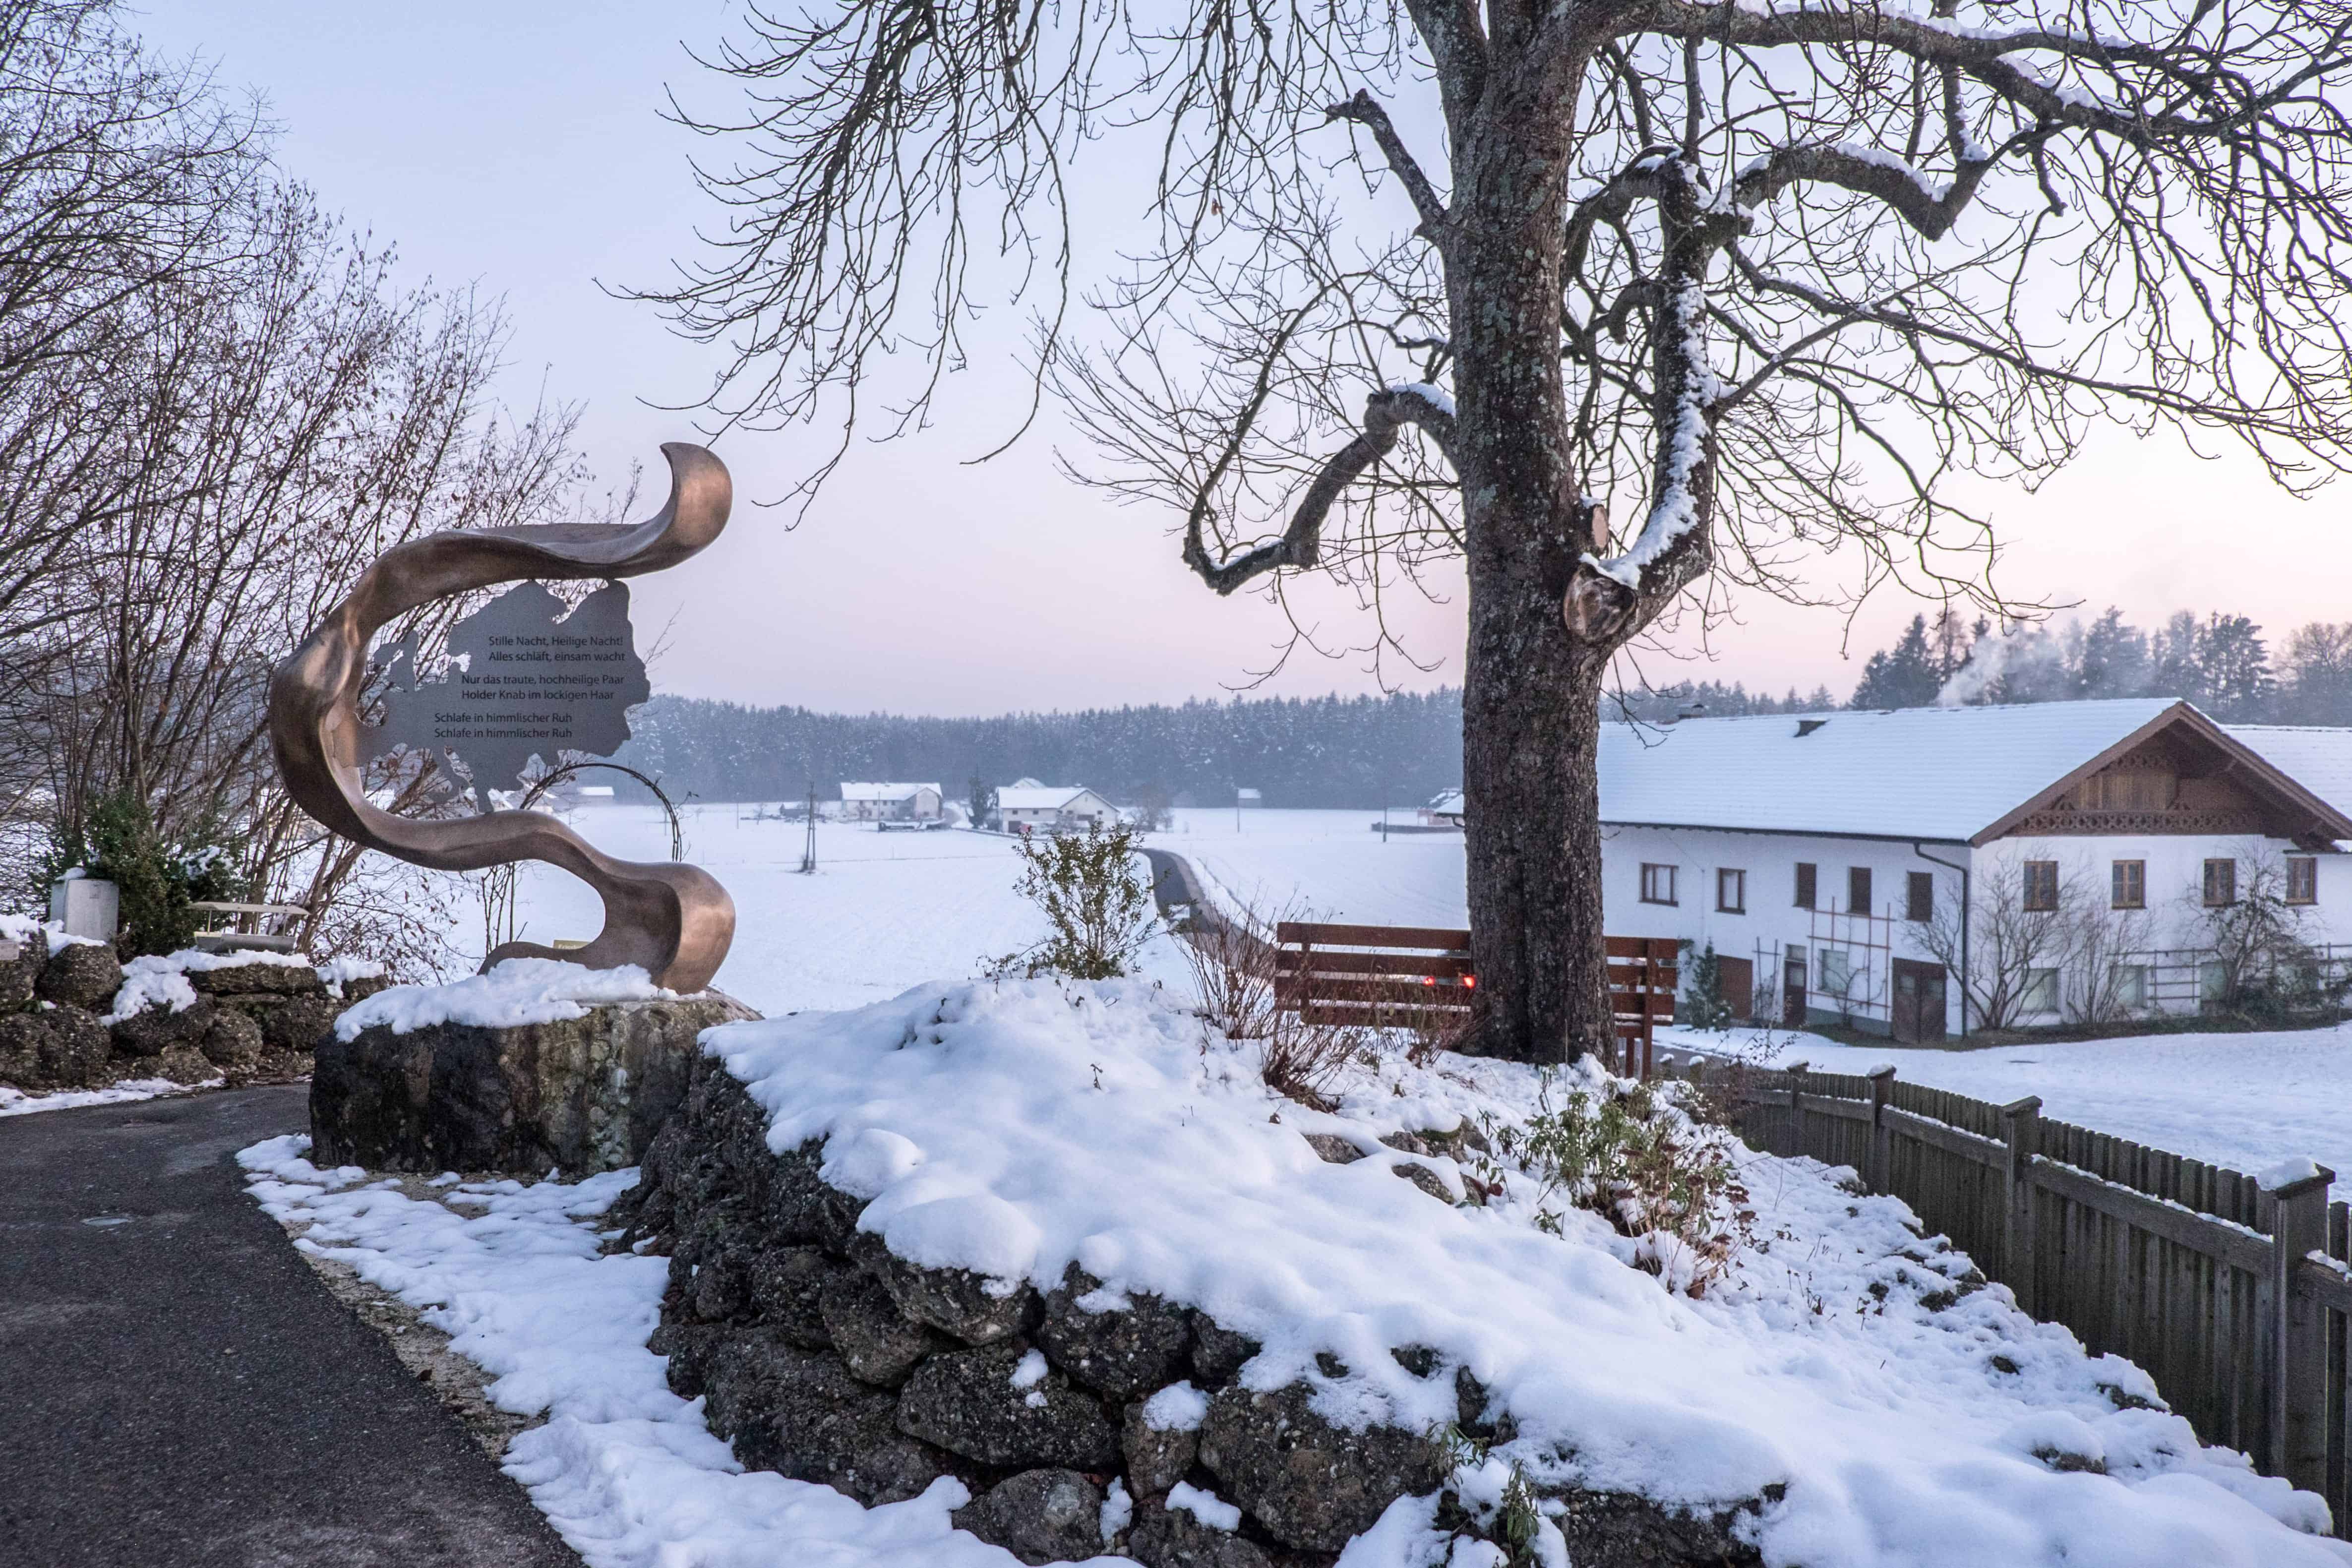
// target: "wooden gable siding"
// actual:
[[2171, 784]]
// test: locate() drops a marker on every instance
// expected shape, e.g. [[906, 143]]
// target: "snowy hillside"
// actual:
[[1849, 1384]]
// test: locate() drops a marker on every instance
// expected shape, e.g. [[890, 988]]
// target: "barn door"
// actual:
[[1737, 979], [1918, 1011]]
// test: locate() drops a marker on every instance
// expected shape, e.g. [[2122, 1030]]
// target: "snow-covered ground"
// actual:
[[1013, 1129], [883, 911], [1329, 864], [16, 1102], [2244, 1100]]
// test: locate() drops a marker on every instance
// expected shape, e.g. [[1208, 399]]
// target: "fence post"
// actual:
[[2021, 1121], [1880, 1175], [2296, 1330]]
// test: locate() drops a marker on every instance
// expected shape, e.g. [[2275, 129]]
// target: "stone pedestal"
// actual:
[[580, 1095]]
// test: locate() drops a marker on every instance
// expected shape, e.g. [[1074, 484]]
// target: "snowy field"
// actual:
[[1013, 1129], [2244, 1100], [1329, 863], [882, 912]]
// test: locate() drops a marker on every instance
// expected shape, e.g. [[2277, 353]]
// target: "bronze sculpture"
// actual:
[[675, 920]]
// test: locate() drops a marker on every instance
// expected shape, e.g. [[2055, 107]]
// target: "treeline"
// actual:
[[2220, 662], [1312, 752]]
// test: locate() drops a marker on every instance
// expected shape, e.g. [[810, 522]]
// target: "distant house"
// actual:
[[2072, 854], [892, 802], [1443, 810], [1050, 807]]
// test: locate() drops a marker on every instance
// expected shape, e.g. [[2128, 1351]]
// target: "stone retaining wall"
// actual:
[[824, 1357], [251, 1023]]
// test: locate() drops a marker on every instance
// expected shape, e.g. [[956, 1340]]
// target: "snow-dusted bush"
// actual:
[[1099, 912], [1646, 1164]]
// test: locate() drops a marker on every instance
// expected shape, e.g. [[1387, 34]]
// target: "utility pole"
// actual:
[[808, 856]]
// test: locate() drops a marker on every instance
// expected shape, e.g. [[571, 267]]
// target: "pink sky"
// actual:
[[518, 149]]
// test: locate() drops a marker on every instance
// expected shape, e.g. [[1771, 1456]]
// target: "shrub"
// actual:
[[1642, 1164], [157, 879], [1231, 961], [1099, 913], [1704, 1007]]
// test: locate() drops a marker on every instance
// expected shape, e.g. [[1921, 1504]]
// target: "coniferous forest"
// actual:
[[1403, 748]]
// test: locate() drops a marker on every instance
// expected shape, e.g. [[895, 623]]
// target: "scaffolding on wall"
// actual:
[[1850, 957]]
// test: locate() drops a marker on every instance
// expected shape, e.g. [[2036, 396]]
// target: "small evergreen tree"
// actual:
[[1704, 1007], [155, 880]]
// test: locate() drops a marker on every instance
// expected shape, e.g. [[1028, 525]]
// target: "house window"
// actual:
[[2220, 883], [1857, 890], [2212, 980], [1731, 891], [1657, 884], [1919, 896], [1804, 884], [2302, 879], [2041, 993], [1837, 972], [2129, 983], [2127, 885], [2041, 885]]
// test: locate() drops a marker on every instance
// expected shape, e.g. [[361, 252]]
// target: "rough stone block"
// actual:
[[1311, 1484], [257, 980], [582, 1094], [1039, 1516], [967, 1402], [80, 974]]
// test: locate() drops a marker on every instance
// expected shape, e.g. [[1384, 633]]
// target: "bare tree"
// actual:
[[1447, 279], [1999, 949]]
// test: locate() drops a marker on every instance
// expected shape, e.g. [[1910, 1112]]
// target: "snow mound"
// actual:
[[1016, 1129], [517, 990], [28, 928], [162, 982]]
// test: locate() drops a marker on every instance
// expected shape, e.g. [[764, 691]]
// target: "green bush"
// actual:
[[157, 879], [1704, 1007], [1099, 913]]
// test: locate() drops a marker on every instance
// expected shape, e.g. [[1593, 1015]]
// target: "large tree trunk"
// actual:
[[1530, 717]]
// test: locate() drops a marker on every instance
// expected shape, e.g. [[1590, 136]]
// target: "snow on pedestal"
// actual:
[[534, 1067]]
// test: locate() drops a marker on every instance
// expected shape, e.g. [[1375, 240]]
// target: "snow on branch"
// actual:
[[1676, 512]]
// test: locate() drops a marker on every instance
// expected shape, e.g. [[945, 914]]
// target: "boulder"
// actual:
[[1174, 1538], [21, 974], [973, 1307], [1121, 1352], [257, 980], [179, 1064], [965, 1402], [1218, 1354], [584, 1094], [1423, 1177], [877, 1340], [787, 1290], [800, 1414], [1618, 1530], [1039, 1516], [289, 1023], [1311, 1484], [1157, 1459], [157, 1029], [1332, 1149], [55, 1047], [231, 1039], [80, 974], [797, 1207]]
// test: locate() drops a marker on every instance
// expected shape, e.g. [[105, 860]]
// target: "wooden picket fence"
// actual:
[[2234, 1298], [1391, 976]]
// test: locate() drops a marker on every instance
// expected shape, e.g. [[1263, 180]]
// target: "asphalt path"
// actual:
[[177, 1387]]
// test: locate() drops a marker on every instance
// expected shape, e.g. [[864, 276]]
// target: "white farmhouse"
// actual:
[[1053, 809], [2067, 860], [891, 802]]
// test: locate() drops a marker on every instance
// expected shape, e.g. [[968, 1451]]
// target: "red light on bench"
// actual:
[[1470, 982]]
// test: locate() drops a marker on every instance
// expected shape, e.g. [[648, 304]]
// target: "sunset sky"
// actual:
[[518, 150]]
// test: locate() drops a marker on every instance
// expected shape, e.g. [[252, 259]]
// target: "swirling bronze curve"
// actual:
[[675, 920]]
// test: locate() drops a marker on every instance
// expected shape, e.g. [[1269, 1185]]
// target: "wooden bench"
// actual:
[[228, 939], [1420, 976]]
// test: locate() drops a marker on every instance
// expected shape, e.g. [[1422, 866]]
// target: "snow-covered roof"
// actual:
[[2320, 760], [1447, 802], [1038, 797], [884, 793], [1946, 773]]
